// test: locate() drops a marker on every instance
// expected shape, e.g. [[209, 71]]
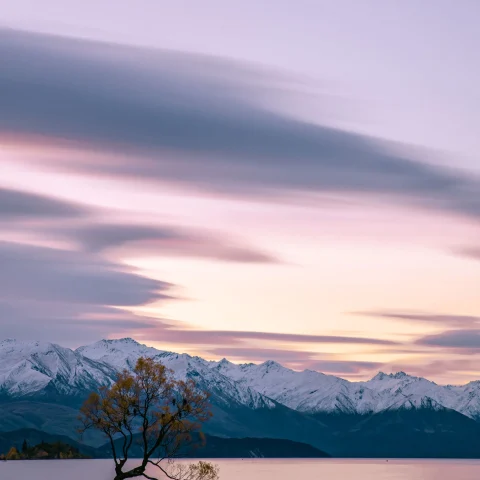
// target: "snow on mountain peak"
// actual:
[[123, 341], [27, 368], [474, 383], [271, 364], [395, 376], [115, 343], [119, 353]]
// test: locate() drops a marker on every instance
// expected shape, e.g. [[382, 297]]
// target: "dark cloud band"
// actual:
[[222, 337], [53, 275], [189, 119], [455, 339], [435, 319], [19, 205], [161, 240], [469, 252]]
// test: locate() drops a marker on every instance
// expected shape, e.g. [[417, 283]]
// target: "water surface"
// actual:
[[262, 469]]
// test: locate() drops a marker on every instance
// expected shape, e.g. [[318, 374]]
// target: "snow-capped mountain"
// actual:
[[121, 354], [28, 369], [313, 392], [306, 391]]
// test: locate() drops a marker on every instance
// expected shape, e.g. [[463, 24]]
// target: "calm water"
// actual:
[[263, 469]]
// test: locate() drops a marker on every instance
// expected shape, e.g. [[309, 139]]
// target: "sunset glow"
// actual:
[[184, 190]]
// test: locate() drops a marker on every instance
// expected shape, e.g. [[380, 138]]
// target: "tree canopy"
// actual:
[[43, 450], [148, 407]]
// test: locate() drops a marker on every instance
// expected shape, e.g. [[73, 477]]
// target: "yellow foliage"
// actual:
[[13, 454], [149, 408]]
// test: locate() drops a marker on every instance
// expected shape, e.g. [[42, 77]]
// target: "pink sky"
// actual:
[[197, 206]]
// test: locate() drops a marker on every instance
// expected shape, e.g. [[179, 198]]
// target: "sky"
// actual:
[[294, 181]]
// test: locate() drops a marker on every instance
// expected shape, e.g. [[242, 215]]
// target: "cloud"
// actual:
[[296, 359], [195, 120], [290, 337], [161, 240], [71, 297], [446, 368], [456, 339], [53, 275], [16, 204], [70, 324], [213, 337], [63, 296], [435, 319], [262, 354], [345, 367], [469, 252], [191, 336], [462, 337]]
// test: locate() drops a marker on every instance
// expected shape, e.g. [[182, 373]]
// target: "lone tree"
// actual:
[[149, 414]]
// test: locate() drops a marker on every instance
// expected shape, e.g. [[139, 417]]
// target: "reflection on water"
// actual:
[[263, 469]]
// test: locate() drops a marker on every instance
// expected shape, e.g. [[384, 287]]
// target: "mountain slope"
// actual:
[[247, 400], [314, 393], [214, 447], [123, 354], [34, 437], [29, 369], [52, 418], [426, 431], [239, 411]]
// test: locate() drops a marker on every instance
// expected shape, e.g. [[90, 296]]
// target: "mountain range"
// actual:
[[43, 384], [210, 447]]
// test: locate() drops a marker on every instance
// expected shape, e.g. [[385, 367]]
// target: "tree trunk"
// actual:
[[136, 472]]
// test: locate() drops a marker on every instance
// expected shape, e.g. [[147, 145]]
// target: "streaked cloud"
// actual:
[[213, 337], [253, 354], [435, 319], [446, 368], [70, 323], [469, 252], [296, 359], [194, 120], [54, 275], [19, 205], [136, 116], [344, 367], [462, 336], [152, 240], [456, 339]]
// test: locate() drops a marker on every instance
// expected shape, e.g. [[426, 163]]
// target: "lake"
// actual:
[[263, 469]]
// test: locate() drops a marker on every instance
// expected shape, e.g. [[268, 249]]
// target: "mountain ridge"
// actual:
[[29, 369], [214, 447]]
